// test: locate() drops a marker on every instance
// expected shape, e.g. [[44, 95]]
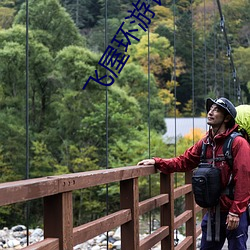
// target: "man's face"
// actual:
[[215, 116]]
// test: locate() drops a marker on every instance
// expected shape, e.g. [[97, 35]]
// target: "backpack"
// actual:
[[206, 185], [206, 179], [243, 120]]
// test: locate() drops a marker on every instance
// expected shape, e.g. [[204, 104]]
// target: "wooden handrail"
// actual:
[[56, 191]]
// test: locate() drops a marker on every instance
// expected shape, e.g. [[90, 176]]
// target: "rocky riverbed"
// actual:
[[16, 238]]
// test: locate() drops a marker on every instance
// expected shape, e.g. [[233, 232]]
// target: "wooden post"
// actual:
[[58, 219], [190, 205], [167, 210], [129, 197]]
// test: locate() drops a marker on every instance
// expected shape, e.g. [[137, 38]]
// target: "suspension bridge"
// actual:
[[56, 192], [59, 233]]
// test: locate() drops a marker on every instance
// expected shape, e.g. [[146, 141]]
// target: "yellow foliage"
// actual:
[[173, 112], [166, 96], [203, 114], [172, 84], [6, 17], [160, 50], [188, 108], [195, 134], [161, 55], [163, 17], [179, 69]]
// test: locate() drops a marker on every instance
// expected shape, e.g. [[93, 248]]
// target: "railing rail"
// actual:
[[56, 192]]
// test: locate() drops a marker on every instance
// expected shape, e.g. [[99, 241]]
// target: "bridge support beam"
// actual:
[[167, 210], [190, 205], [130, 199], [58, 219]]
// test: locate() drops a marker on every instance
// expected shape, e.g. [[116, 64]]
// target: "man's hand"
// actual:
[[146, 162], [232, 221]]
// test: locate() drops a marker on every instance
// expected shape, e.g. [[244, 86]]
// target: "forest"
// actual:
[[174, 65]]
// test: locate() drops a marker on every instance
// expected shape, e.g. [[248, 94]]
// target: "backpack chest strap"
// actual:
[[217, 159]]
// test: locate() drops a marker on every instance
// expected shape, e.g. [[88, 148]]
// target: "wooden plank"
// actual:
[[167, 210], [154, 238], [190, 205], [185, 244], [178, 192], [24, 190], [100, 177], [58, 214], [129, 196], [198, 231], [182, 218], [198, 209], [152, 203], [58, 219], [90, 230], [46, 244]]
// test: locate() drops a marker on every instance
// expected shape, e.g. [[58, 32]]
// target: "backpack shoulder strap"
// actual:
[[227, 148], [203, 152]]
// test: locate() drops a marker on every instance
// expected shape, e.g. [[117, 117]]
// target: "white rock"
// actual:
[[38, 232], [100, 238], [3, 233], [111, 233], [117, 235], [103, 243], [95, 248], [18, 228], [91, 242], [117, 244], [13, 243], [80, 246], [18, 234], [180, 237], [18, 247]]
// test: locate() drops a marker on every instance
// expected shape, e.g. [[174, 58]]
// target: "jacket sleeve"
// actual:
[[183, 163], [241, 175]]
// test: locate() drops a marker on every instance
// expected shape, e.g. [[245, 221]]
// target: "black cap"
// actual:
[[223, 103]]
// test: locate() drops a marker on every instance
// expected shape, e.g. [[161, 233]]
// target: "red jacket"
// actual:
[[241, 167]]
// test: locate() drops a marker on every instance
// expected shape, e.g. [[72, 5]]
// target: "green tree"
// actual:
[[42, 163], [136, 82], [6, 17], [53, 25], [242, 64], [84, 13]]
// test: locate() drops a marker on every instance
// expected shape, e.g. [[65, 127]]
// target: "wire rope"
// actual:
[[236, 83], [205, 49], [221, 47], [174, 71], [27, 207], [149, 127], [215, 52], [175, 95], [106, 114], [229, 84], [192, 73]]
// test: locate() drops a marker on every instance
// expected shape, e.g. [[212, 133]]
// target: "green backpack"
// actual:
[[243, 120]]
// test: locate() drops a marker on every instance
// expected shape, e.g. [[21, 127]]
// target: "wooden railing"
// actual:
[[59, 232]]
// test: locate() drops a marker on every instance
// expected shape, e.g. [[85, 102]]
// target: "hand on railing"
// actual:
[[146, 162]]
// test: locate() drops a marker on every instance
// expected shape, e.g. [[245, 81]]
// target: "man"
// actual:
[[221, 115]]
